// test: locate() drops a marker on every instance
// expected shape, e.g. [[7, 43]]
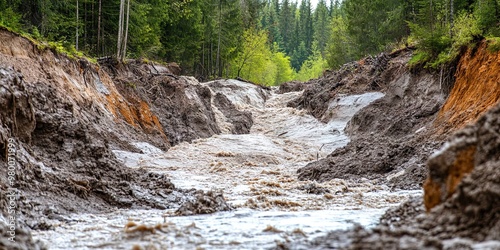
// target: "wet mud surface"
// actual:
[[467, 217]]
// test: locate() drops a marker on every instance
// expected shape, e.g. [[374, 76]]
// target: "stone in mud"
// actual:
[[204, 203], [292, 86]]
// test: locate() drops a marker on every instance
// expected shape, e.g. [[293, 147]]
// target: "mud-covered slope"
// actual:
[[60, 118], [468, 218], [389, 138], [183, 107]]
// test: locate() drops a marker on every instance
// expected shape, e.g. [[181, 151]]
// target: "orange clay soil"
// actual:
[[136, 113], [439, 188], [476, 89]]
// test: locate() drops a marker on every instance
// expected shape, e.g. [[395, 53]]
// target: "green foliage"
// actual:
[[372, 24], [284, 71], [313, 67], [419, 58], [9, 18], [253, 61], [259, 63], [465, 28], [66, 48], [493, 44], [205, 36], [340, 48], [488, 16], [432, 42], [321, 26], [182, 33]]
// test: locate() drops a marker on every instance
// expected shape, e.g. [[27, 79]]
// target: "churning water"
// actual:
[[256, 172]]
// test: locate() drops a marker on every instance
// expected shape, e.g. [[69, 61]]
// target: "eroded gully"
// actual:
[[257, 174]]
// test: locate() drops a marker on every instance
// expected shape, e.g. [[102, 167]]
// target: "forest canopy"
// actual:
[[265, 41]]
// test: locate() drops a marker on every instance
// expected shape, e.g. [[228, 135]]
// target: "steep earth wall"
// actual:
[[476, 90], [389, 138]]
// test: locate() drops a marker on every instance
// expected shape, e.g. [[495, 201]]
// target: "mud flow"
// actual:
[[256, 174]]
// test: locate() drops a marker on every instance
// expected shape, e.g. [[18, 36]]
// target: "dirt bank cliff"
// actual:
[[390, 137], [405, 130]]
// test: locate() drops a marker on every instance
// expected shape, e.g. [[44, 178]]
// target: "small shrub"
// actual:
[[493, 44], [419, 58], [11, 20]]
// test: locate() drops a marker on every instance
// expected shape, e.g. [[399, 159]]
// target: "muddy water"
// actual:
[[255, 171]]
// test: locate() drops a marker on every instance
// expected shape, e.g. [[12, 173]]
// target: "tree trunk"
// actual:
[[432, 18], [217, 62], [451, 18], [124, 52], [77, 24], [120, 30], [99, 28]]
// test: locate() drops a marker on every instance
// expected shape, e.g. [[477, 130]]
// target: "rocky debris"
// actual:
[[292, 86], [241, 120], [204, 203], [390, 137]]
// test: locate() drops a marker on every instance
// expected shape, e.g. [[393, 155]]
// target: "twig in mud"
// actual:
[[271, 229], [79, 187], [317, 154], [284, 133]]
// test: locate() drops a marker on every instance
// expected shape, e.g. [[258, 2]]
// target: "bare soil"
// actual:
[[468, 219], [390, 137], [63, 117]]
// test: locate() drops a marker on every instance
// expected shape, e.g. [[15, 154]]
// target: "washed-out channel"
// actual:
[[256, 173]]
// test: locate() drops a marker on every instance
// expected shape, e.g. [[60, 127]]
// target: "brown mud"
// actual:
[[63, 117], [467, 217], [389, 138]]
